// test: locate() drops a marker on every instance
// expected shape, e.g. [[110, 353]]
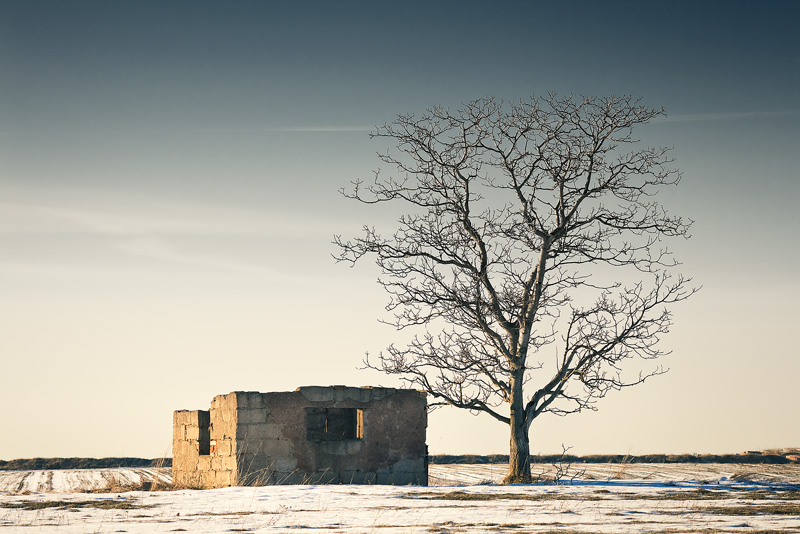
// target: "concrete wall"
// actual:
[[264, 438]]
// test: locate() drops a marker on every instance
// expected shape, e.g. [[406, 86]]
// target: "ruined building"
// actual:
[[312, 435]]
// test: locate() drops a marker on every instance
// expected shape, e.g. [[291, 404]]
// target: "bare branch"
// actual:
[[513, 208]]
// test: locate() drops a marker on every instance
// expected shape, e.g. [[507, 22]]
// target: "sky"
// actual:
[[169, 176]]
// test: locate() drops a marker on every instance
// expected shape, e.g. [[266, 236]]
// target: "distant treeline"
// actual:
[[617, 459], [41, 464]]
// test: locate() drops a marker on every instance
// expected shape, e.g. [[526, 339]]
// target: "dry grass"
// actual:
[[789, 508], [126, 504], [466, 496]]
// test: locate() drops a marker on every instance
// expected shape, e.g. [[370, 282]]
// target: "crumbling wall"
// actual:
[[190, 443], [390, 450], [265, 455], [312, 435], [222, 465]]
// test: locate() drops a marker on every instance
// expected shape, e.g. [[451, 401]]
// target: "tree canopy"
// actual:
[[522, 219]]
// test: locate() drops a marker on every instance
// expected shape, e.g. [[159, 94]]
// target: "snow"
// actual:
[[645, 497], [69, 480]]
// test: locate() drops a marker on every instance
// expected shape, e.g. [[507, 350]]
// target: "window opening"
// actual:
[[204, 438], [334, 424]]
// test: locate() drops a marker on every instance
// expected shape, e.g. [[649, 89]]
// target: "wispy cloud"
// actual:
[[209, 238], [130, 218]]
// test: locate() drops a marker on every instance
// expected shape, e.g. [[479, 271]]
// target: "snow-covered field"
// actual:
[[662, 498], [72, 480]]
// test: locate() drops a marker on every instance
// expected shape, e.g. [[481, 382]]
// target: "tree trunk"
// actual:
[[519, 464]]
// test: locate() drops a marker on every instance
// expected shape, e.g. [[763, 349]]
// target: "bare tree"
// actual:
[[516, 211]]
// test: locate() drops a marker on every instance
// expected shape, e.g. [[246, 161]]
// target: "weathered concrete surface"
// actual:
[[314, 435]]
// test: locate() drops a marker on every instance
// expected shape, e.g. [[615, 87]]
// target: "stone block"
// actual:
[[184, 464], [179, 477], [225, 407], [261, 431], [228, 400], [248, 399], [204, 463], [228, 463], [317, 393], [354, 446], [255, 400], [255, 463], [409, 465], [226, 414], [178, 432], [332, 447], [208, 479], [220, 430], [245, 447], [224, 447], [184, 449], [277, 447], [284, 463], [360, 395], [239, 399], [216, 463], [184, 417], [224, 479], [192, 433], [377, 393], [248, 416]]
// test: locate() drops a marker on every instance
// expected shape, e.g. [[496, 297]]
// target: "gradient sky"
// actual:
[[168, 197]]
